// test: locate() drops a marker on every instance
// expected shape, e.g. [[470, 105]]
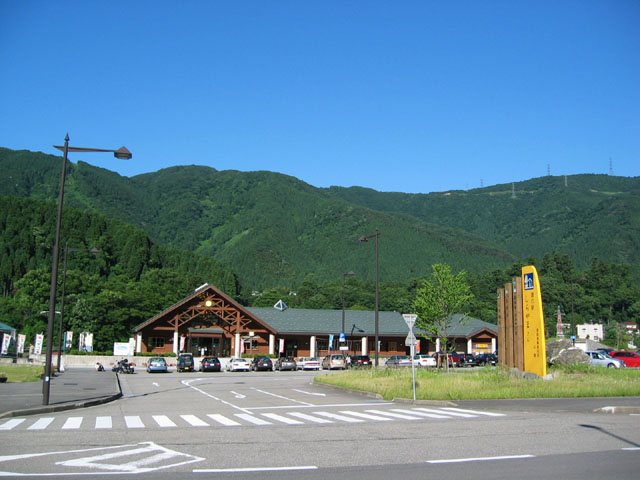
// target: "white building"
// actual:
[[594, 331]]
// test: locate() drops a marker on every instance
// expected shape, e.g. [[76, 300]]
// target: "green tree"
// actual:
[[441, 296]]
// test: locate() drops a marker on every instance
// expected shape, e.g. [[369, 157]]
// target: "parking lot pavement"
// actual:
[[73, 388]]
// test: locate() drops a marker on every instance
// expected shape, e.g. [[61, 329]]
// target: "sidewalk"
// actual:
[[73, 388]]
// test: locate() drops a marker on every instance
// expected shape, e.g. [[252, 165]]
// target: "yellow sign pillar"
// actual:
[[535, 352]]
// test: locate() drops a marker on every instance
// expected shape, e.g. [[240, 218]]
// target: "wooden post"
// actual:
[[518, 328], [508, 310], [501, 328]]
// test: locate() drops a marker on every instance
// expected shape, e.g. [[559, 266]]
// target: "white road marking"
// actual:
[[394, 415], [475, 412], [367, 416], [163, 421], [194, 421], [254, 469], [281, 407], [422, 414], [335, 416], [72, 423], [41, 423], [441, 412], [103, 422], [133, 421], [310, 418], [310, 393], [155, 384], [284, 398], [9, 424], [223, 420], [480, 459], [188, 384], [238, 395], [252, 419], [280, 418]]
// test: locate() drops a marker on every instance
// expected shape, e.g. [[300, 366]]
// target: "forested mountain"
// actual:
[[269, 228], [272, 229]]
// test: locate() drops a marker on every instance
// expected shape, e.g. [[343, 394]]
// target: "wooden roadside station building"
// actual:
[[208, 322]]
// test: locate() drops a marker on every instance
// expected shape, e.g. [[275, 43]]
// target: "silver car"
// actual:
[[604, 360]]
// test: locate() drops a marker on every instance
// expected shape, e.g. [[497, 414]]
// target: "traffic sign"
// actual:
[[410, 319], [411, 340]]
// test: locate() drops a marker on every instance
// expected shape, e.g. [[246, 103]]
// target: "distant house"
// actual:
[[209, 322], [592, 331]]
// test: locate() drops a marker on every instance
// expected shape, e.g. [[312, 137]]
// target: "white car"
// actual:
[[604, 360], [424, 360], [238, 365], [308, 363]]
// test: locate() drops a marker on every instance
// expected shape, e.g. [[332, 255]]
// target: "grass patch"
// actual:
[[490, 383], [22, 373]]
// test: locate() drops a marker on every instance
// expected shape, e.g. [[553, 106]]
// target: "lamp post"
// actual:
[[366, 239], [64, 280], [121, 153], [344, 282]]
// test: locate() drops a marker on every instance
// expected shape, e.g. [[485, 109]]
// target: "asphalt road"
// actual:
[[281, 425]]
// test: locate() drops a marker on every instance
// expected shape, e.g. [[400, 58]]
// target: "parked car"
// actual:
[[359, 361], [604, 360], [238, 365], [487, 358], [286, 363], [396, 361], [262, 364], [468, 360], [308, 363], [331, 362], [157, 364], [424, 360], [210, 364], [185, 363], [630, 359]]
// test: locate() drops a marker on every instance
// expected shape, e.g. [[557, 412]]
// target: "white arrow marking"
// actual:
[[238, 395]]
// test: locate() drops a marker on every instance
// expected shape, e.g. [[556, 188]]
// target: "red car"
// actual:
[[630, 359]]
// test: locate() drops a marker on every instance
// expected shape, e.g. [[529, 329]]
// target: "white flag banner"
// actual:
[[6, 341], [37, 349], [21, 341]]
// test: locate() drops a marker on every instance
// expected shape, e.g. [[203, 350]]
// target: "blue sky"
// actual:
[[410, 96]]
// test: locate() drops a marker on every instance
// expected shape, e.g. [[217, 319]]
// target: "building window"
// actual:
[[156, 342]]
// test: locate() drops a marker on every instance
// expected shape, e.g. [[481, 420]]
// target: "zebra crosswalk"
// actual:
[[210, 420]]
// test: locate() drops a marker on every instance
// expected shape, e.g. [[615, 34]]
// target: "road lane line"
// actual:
[[414, 411], [188, 384], [480, 459], [474, 412], [253, 469], [103, 422], [133, 421], [309, 393], [282, 397], [194, 421], [394, 415], [441, 412], [72, 423], [41, 423], [368, 416], [280, 418], [163, 421], [310, 418], [342, 418], [227, 422], [252, 419], [9, 424]]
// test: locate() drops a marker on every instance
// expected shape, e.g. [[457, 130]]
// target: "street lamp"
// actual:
[[366, 239], [64, 280], [344, 282], [121, 153]]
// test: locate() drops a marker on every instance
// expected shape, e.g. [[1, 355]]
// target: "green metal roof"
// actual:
[[5, 328], [308, 321]]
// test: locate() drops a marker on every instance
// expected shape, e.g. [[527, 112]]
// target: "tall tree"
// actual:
[[441, 296]]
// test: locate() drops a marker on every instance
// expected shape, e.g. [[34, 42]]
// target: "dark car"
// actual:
[[261, 364], [286, 363], [468, 360], [358, 361], [185, 363], [210, 364], [487, 359]]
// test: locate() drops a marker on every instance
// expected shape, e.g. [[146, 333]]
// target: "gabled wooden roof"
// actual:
[[205, 300]]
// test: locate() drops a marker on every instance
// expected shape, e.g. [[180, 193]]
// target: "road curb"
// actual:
[[364, 393]]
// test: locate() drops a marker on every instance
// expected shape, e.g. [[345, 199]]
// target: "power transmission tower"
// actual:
[[513, 190], [610, 166]]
